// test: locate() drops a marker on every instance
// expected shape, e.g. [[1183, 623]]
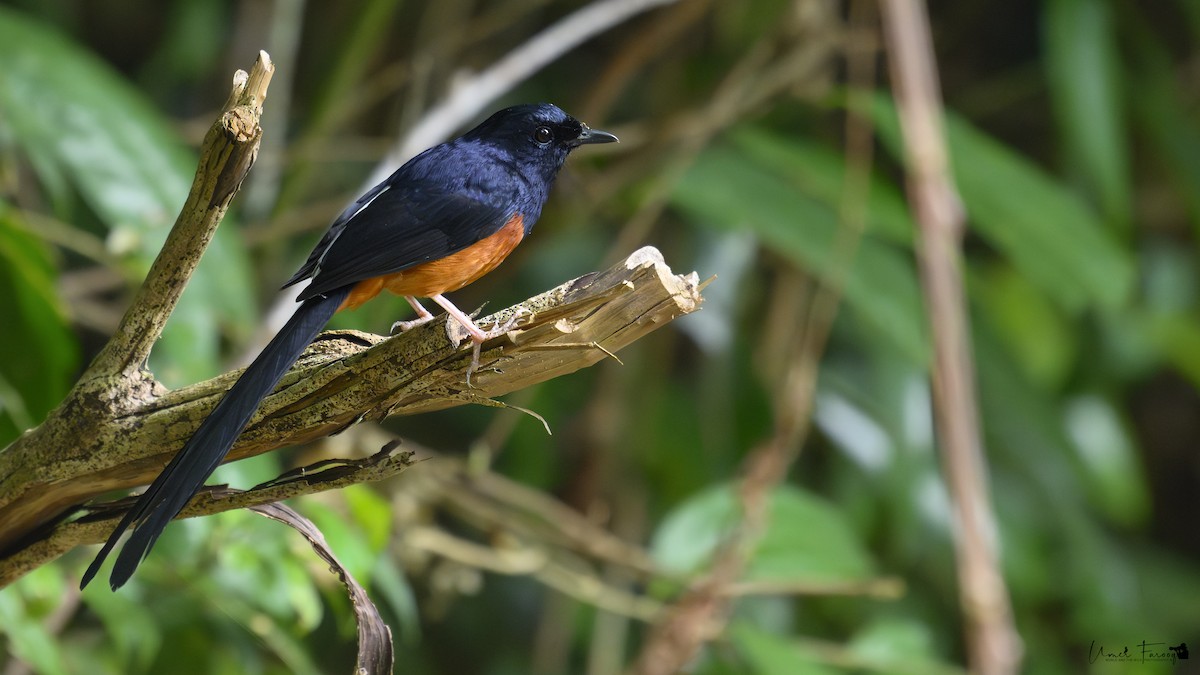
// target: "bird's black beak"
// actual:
[[591, 136]]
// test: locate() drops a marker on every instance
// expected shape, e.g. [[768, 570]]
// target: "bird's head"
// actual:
[[537, 134]]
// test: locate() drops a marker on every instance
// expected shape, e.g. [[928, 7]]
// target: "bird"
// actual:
[[441, 221]]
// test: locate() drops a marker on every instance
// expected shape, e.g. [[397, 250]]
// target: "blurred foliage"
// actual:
[[1074, 128]]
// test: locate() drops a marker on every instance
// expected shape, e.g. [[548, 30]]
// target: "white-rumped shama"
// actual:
[[446, 218]]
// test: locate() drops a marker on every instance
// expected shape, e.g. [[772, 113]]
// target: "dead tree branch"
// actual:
[[346, 377], [118, 427], [992, 639], [227, 153], [76, 437]]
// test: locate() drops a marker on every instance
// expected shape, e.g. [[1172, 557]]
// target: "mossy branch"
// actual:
[[118, 427]]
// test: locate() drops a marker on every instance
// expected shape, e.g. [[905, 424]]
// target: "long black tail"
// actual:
[[203, 452]]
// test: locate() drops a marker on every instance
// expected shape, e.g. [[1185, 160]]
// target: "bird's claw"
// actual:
[[496, 331], [405, 326]]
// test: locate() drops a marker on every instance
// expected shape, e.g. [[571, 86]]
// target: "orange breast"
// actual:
[[444, 274]]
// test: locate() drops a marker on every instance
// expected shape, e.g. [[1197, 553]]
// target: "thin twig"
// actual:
[[992, 640], [753, 80], [881, 588], [537, 562], [96, 523], [629, 61], [473, 94]]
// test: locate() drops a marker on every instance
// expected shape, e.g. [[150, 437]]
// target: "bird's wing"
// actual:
[[306, 270], [394, 229]]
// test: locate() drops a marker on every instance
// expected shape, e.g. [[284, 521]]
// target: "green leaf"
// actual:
[[23, 614], [689, 534], [300, 590], [770, 654], [807, 539], [372, 512], [388, 583], [130, 630], [78, 120], [893, 639], [127, 163], [1111, 467], [725, 188], [1040, 338], [1175, 337], [1040, 225], [345, 540], [820, 173], [1085, 88], [1165, 115], [899, 645], [34, 327], [1023, 423]]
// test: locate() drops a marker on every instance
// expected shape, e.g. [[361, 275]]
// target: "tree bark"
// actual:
[[118, 427]]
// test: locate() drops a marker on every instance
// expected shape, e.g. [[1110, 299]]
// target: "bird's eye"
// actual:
[[543, 135]]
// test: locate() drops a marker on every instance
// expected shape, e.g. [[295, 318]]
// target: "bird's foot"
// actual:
[[479, 336], [499, 329], [423, 317], [405, 326]]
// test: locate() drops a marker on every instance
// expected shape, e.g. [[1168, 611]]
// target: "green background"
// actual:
[[1074, 130]]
